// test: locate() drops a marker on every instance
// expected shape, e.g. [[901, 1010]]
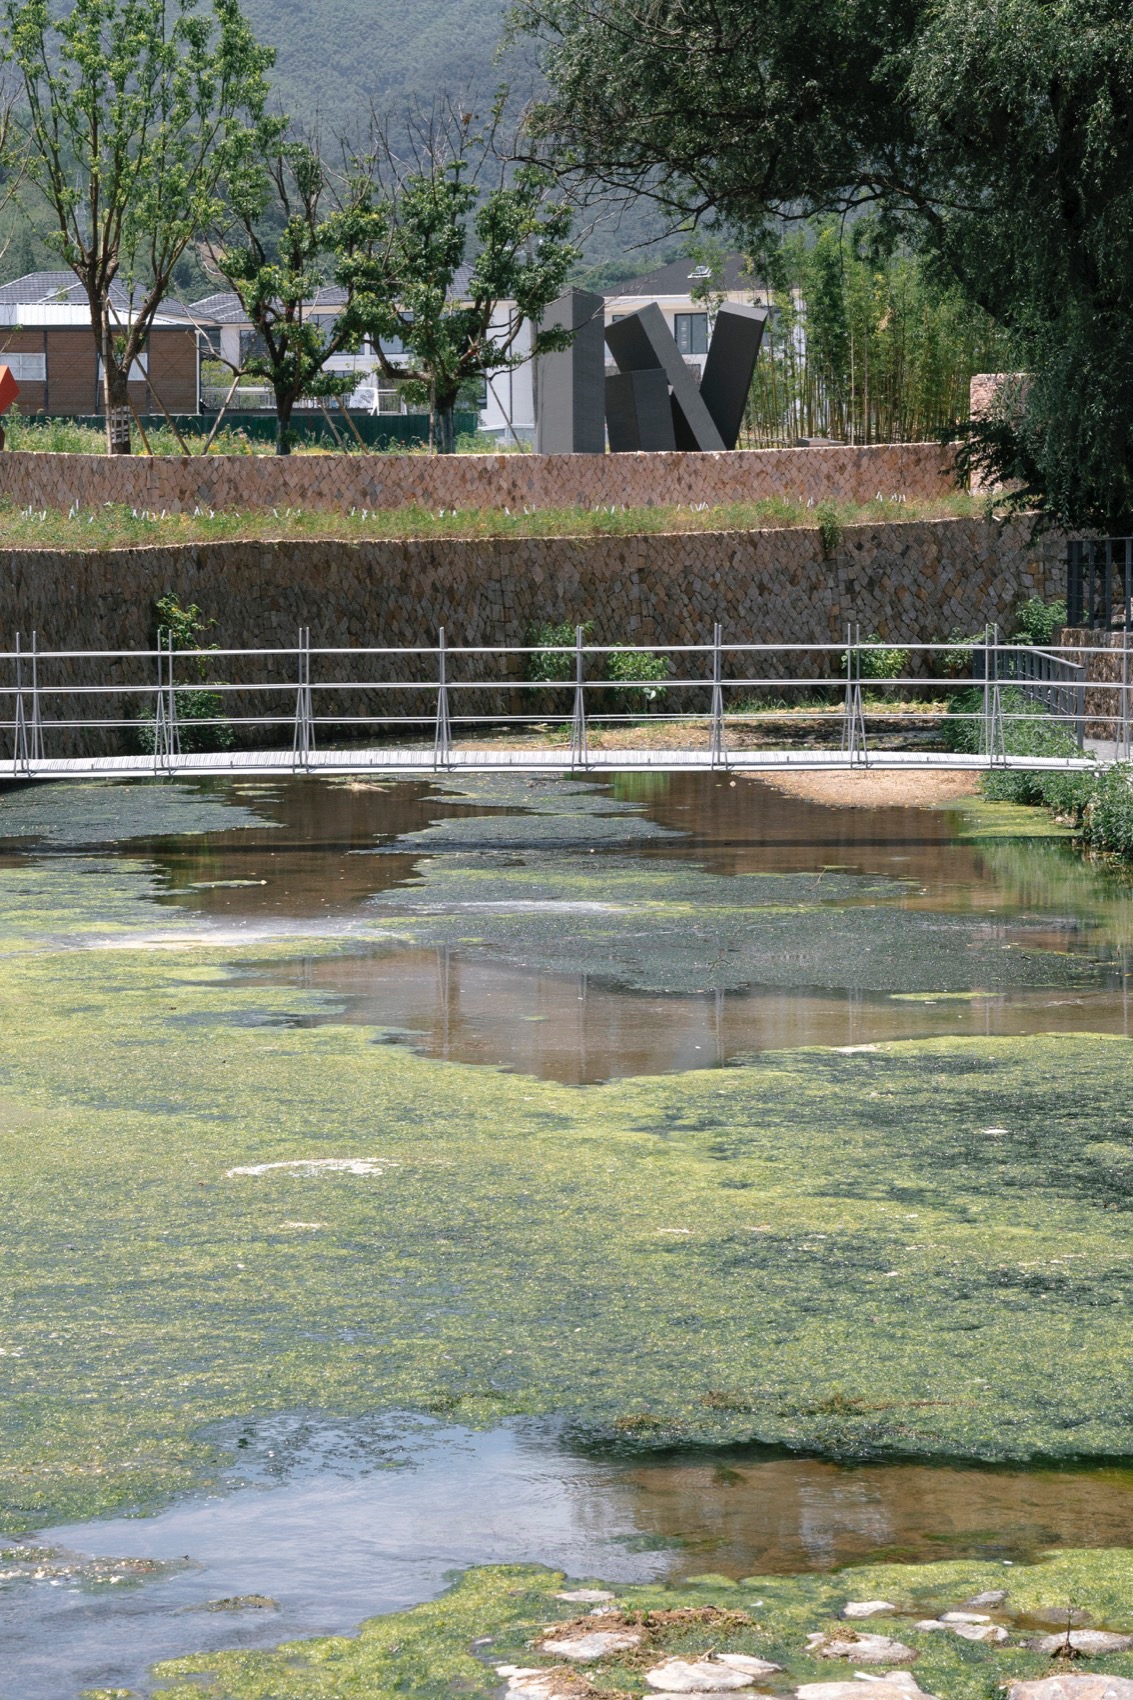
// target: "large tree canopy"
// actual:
[[997, 133]]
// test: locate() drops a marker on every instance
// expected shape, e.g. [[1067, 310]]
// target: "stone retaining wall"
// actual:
[[1104, 673], [917, 471], [914, 581]]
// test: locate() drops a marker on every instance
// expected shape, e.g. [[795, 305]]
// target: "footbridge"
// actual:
[[561, 708]]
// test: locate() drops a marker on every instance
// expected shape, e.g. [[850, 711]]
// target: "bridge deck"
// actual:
[[516, 759]]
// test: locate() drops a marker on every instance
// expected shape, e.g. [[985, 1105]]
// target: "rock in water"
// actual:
[[964, 1617], [992, 1597], [1092, 1641], [596, 1644], [1080, 1685], [586, 1596], [866, 1608]]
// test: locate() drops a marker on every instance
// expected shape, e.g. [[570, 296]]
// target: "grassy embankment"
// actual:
[[113, 527]]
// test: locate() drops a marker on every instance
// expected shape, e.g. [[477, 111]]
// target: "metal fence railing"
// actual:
[[1099, 583], [720, 704]]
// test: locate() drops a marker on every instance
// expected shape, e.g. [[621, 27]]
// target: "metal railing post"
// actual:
[[854, 744], [304, 739], [20, 757], [36, 718], [719, 738], [163, 729], [578, 739], [1124, 695], [442, 736]]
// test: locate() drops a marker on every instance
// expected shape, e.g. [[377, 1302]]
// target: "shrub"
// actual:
[[829, 528], [1038, 621], [889, 662], [638, 672], [1107, 817], [201, 723], [545, 666]]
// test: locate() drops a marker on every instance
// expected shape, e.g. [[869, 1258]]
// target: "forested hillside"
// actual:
[[338, 56]]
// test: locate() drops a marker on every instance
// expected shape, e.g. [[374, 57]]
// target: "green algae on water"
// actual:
[[107, 812], [498, 1616]]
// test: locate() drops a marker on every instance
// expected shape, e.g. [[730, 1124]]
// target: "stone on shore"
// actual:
[[867, 1608], [891, 1685], [586, 1596], [1077, 1685], [863, 1649], [1096, 1642], [701, 1676], [595, 1644]]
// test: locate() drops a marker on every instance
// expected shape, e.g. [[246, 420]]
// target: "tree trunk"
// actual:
[[444, 428], [284, 436], [116, 402]]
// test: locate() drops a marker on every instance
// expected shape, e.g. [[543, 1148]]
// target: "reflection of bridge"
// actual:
[[755, 708]]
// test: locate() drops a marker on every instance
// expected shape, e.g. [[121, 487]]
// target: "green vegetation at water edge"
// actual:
[[123, 527], [499, 1615]]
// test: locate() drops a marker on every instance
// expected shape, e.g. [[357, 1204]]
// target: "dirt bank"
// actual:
[[865, 790]]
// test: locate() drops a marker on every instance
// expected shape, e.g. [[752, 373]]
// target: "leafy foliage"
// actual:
[[637, 674], [279, 240], [865, 343], [201, 723], [548, 664], [461, 269], [994, 138], [131, 110]]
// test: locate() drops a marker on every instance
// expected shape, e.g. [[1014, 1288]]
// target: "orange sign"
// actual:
[[9, 389]]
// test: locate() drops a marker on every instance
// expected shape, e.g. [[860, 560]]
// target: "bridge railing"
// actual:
[[439, 702]]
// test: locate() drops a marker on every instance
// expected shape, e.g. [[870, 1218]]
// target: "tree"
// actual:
[[131, 109], [287, 230], [994, 138], [458, 321]]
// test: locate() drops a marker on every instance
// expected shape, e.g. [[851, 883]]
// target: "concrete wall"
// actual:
[[917, 471]]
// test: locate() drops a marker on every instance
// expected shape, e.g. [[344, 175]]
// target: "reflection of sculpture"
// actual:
[[570, 384], [707, 418]]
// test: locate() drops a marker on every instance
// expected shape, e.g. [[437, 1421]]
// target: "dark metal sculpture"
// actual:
[[570, 384], [730, 366], [639, 414], [643, 342]]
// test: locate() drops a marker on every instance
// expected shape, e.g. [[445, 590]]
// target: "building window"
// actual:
[[26, 368], [692, 332], [139, 368]]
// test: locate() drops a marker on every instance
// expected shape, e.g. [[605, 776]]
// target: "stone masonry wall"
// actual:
[[917, 471], [913, 581]]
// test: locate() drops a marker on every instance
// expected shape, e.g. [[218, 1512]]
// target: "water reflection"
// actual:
[[467, 1007], [332, 1539]]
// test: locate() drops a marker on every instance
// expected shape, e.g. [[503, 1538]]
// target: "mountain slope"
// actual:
[[338, 56]]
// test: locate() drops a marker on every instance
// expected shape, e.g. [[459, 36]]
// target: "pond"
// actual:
[[642, 1177]]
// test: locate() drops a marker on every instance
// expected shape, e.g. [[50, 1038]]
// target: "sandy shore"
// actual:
[[865, 790]]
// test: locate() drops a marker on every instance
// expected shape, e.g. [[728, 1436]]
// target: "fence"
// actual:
[[426, 708], [1099, 583], [1047, 678]]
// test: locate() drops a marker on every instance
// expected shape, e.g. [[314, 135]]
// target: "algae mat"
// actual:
[[499, 1616], [913, 1248]]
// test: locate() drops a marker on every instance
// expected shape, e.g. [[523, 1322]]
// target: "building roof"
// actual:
[[58, 298], [680, 277]]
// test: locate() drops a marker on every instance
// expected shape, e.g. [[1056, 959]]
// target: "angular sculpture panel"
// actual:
[[643, 342], [639, 415], [730, 366], [570, 384]]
